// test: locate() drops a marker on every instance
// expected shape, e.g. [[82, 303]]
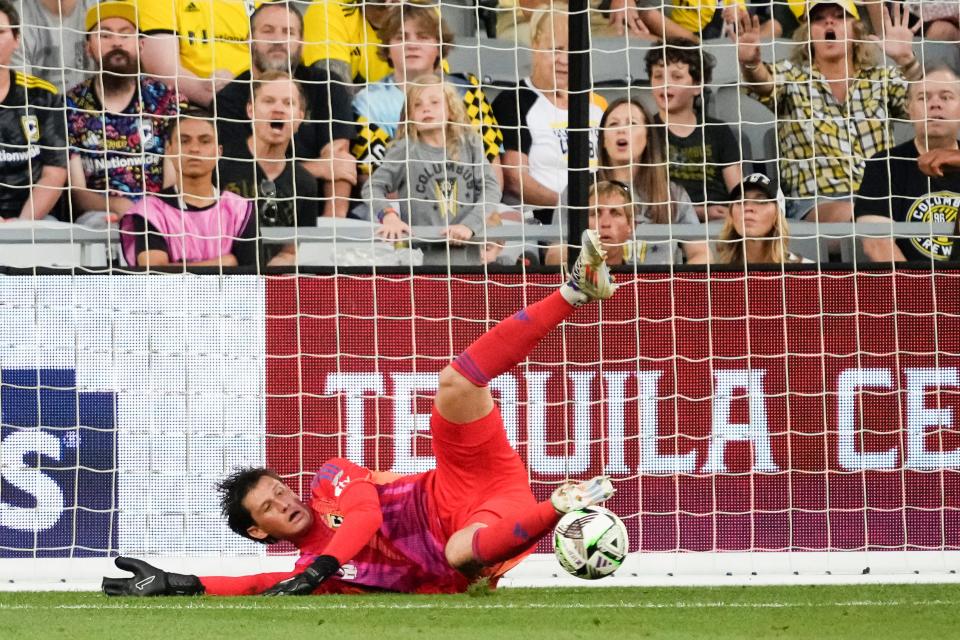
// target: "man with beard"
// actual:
[[117, 122], [323, 140]]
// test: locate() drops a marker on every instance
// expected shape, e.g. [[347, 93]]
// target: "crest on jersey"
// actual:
[[445, 191], [146, 132], [940, 206], [31, 128], [335, 520]]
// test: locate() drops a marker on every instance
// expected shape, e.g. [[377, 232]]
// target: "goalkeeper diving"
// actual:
[[472, 517]]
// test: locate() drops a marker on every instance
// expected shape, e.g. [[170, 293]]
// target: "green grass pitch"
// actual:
[[872, 612]]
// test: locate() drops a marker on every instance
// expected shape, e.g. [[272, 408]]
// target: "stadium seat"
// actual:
[[726, 68], [500, 62], [615, 62], [931, 52], [463, 17], [494, 62], [26, 245], [902, 131]]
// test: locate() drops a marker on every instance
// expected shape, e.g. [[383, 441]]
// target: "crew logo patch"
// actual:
[[941, 206], [445, 191], [31, 128]]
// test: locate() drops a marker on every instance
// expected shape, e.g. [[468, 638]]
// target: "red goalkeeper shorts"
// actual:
[[479, 477]]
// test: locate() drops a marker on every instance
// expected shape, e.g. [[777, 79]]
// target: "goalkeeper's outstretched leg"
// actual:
[[482, 486], [365, 530], [463, 395]]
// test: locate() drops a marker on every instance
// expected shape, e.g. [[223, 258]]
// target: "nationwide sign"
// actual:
[[768, 411]]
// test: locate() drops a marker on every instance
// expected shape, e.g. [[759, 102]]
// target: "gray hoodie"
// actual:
[[435, 190]]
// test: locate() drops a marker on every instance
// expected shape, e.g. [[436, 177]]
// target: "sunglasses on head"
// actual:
[[269, 209]]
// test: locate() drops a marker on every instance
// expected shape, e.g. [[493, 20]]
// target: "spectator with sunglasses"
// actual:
[[261, 167]]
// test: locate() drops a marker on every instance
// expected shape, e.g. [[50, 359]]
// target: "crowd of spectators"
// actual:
[[193, 125]]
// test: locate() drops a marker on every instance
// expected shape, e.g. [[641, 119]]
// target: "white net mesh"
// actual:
[[274, 160]]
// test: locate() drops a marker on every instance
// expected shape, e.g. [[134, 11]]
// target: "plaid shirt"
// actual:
[[824, 143]]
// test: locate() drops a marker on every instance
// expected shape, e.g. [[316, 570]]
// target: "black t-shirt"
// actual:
[[289, 200], [699, 159], [292, 201], [894, 187], [148, 238], [328, 114], [33, 134]]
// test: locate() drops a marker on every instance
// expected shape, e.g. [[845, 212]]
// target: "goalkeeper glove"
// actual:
[[305, 583], [147, 580]]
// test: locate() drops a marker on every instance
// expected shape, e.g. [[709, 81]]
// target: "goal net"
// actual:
[[788, 423], [803, 412]]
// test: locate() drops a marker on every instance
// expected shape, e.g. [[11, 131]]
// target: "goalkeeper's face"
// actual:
[[276, 511]]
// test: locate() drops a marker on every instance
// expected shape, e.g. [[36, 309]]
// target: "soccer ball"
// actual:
[[590, 543]]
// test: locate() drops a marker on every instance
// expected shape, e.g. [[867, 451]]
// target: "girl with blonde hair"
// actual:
[[437, 168]]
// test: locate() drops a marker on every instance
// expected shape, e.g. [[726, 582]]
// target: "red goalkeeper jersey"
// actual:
[[405, 553]]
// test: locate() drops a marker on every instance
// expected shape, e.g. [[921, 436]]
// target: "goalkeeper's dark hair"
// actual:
[[233, 489], [699, 62]]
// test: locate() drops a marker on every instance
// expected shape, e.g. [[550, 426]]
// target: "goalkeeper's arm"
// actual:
[[148, 580], [360, 507]]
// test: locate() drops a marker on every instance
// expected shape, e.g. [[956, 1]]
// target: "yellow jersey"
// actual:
[[338, 30], [213, 34], [694, 15]]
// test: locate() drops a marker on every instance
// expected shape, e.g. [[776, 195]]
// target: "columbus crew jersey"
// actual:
[[32, 136], [338, 30], [213, 34]]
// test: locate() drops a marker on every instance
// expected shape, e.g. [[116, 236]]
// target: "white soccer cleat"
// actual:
[[571, 495], [590, 279]]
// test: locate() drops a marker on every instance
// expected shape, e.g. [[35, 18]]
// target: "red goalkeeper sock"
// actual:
[[511, 341], [513, 535]]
